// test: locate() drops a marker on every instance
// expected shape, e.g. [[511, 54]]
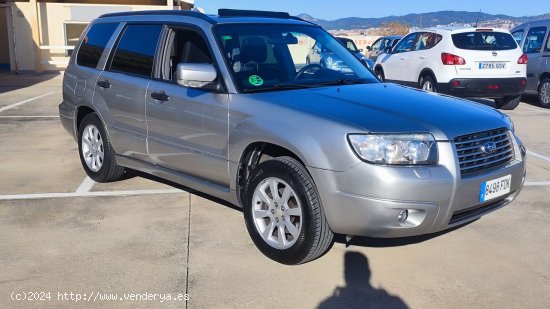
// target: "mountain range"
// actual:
[[418, 20]]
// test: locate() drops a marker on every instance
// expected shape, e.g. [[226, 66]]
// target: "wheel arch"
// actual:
[[426, 72]]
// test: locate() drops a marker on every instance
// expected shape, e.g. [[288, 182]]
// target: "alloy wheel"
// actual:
[[93, 150]]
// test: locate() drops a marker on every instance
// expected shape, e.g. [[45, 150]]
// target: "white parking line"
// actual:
[[29, 116], [85, 186], [87, 194], [5, 108], [537, 183], [534, 154]]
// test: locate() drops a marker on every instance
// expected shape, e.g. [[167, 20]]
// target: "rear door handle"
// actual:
[[422, 57], [160, 96], [104, 84], [403, 58]]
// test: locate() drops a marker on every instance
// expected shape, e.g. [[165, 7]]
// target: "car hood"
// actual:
[[389, 108]]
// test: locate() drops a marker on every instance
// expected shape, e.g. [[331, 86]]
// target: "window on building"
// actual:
[[136, 50], [72, 35], [94, 43]]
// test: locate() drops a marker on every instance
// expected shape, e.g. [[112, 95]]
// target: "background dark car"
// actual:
[[381, 45], [325, 57]]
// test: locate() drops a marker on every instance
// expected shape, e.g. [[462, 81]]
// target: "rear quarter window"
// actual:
[[484, 40], [93, 44]]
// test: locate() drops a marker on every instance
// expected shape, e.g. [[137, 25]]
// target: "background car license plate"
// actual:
[[492, 65], [495, 188]]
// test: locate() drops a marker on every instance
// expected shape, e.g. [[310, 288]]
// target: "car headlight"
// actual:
[[395, 149]]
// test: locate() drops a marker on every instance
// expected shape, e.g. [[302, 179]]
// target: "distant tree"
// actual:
[[393, 28]]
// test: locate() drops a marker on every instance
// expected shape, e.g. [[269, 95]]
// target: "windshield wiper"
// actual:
[[342, 81], [287, 86]]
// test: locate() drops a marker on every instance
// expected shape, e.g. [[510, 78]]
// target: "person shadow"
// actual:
[[358, 293]]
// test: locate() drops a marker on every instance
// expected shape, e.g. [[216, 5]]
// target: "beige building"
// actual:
[[38, 35]]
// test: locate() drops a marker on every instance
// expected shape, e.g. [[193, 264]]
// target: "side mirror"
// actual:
[[195, 75], [369, 48]]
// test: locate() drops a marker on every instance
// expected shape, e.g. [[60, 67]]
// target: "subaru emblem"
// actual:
[[489, 148], [495, 53]]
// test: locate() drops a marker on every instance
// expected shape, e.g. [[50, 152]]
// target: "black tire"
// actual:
[[544, 93], [427, 80], [109, 170], [508, 103], [380, 75], [315, 237]]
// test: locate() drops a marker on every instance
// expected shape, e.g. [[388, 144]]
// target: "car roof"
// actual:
[[224, 16], [534, 23], [457, 29]]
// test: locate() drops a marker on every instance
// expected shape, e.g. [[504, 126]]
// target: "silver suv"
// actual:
[[225, 105]]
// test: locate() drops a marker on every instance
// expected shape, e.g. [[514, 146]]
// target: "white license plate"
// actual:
[[492, 65], [494, 188]]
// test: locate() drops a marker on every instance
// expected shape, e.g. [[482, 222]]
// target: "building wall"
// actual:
[[52, 17], [4, 51]]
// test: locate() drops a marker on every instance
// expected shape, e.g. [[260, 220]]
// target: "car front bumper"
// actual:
[[366, 200], [483, 87]]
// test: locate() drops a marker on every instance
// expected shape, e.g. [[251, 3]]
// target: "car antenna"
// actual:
[[478, 16]]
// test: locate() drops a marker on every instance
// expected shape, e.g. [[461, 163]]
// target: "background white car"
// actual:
[[468, 62]]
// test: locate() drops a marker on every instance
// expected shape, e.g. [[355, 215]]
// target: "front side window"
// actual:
[[377, 44], [484, 40], [534, 40], [406, 44], [350, 45], [273, 57], [94, 43], [135, 51]]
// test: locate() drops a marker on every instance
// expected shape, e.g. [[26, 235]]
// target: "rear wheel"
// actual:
[[544, 93], [283, 213], [508, 102], [96, 153], [427, 83], [380, 75]]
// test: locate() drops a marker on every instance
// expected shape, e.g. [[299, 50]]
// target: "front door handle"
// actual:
[[422, 57], [104, 84], [403, 58], [160, 96]]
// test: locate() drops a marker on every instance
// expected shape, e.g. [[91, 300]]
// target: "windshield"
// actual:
[[484, 40], [274, 57], [349, 44]]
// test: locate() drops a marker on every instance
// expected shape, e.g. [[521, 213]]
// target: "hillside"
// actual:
[[419, 20]]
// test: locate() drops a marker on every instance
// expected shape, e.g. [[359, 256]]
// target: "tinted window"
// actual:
[[94, 43], [518, 35], [547, 48], [377, 44], [427, 40], [534, 40], [406, 44], [484, 40], [136, 50]]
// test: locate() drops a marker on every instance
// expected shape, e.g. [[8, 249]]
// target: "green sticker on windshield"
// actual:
[[226, 37], [255, 80]]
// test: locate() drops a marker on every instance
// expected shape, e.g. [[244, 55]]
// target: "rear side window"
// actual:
[[534, 40], [94, 43], [135, 52], [484, 40], [518, 35], [427, 40]]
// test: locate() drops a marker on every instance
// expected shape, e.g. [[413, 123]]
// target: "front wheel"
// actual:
[[96, 153], [283, 213], [508, 102], [544, 93]]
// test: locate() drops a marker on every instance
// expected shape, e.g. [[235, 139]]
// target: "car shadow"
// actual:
[[134, 173], [12, 81], [358, 291], [393, 242]]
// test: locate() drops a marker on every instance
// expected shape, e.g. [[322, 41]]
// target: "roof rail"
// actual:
[[161, 12], [250, 13]]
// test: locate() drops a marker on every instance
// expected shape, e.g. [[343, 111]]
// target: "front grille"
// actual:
[[473, 159]]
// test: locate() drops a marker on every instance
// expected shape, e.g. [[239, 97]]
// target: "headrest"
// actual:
[[253, 49]]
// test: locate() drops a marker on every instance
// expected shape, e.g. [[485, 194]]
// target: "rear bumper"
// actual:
[[66, 115], [483, 87]]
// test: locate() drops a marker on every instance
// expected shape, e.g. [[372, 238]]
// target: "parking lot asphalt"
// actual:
[[62, 233]]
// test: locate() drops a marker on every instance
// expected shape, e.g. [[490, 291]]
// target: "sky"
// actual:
[[331, 10]]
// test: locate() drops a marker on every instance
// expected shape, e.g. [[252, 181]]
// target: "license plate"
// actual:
[[494, 188], [492, 65]]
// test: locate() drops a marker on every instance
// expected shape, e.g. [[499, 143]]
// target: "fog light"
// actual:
[[403, 215], [456, 83]]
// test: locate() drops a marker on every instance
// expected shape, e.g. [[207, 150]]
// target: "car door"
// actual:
[[120, 89], [187, 127], [395, 63], [533, 47]]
